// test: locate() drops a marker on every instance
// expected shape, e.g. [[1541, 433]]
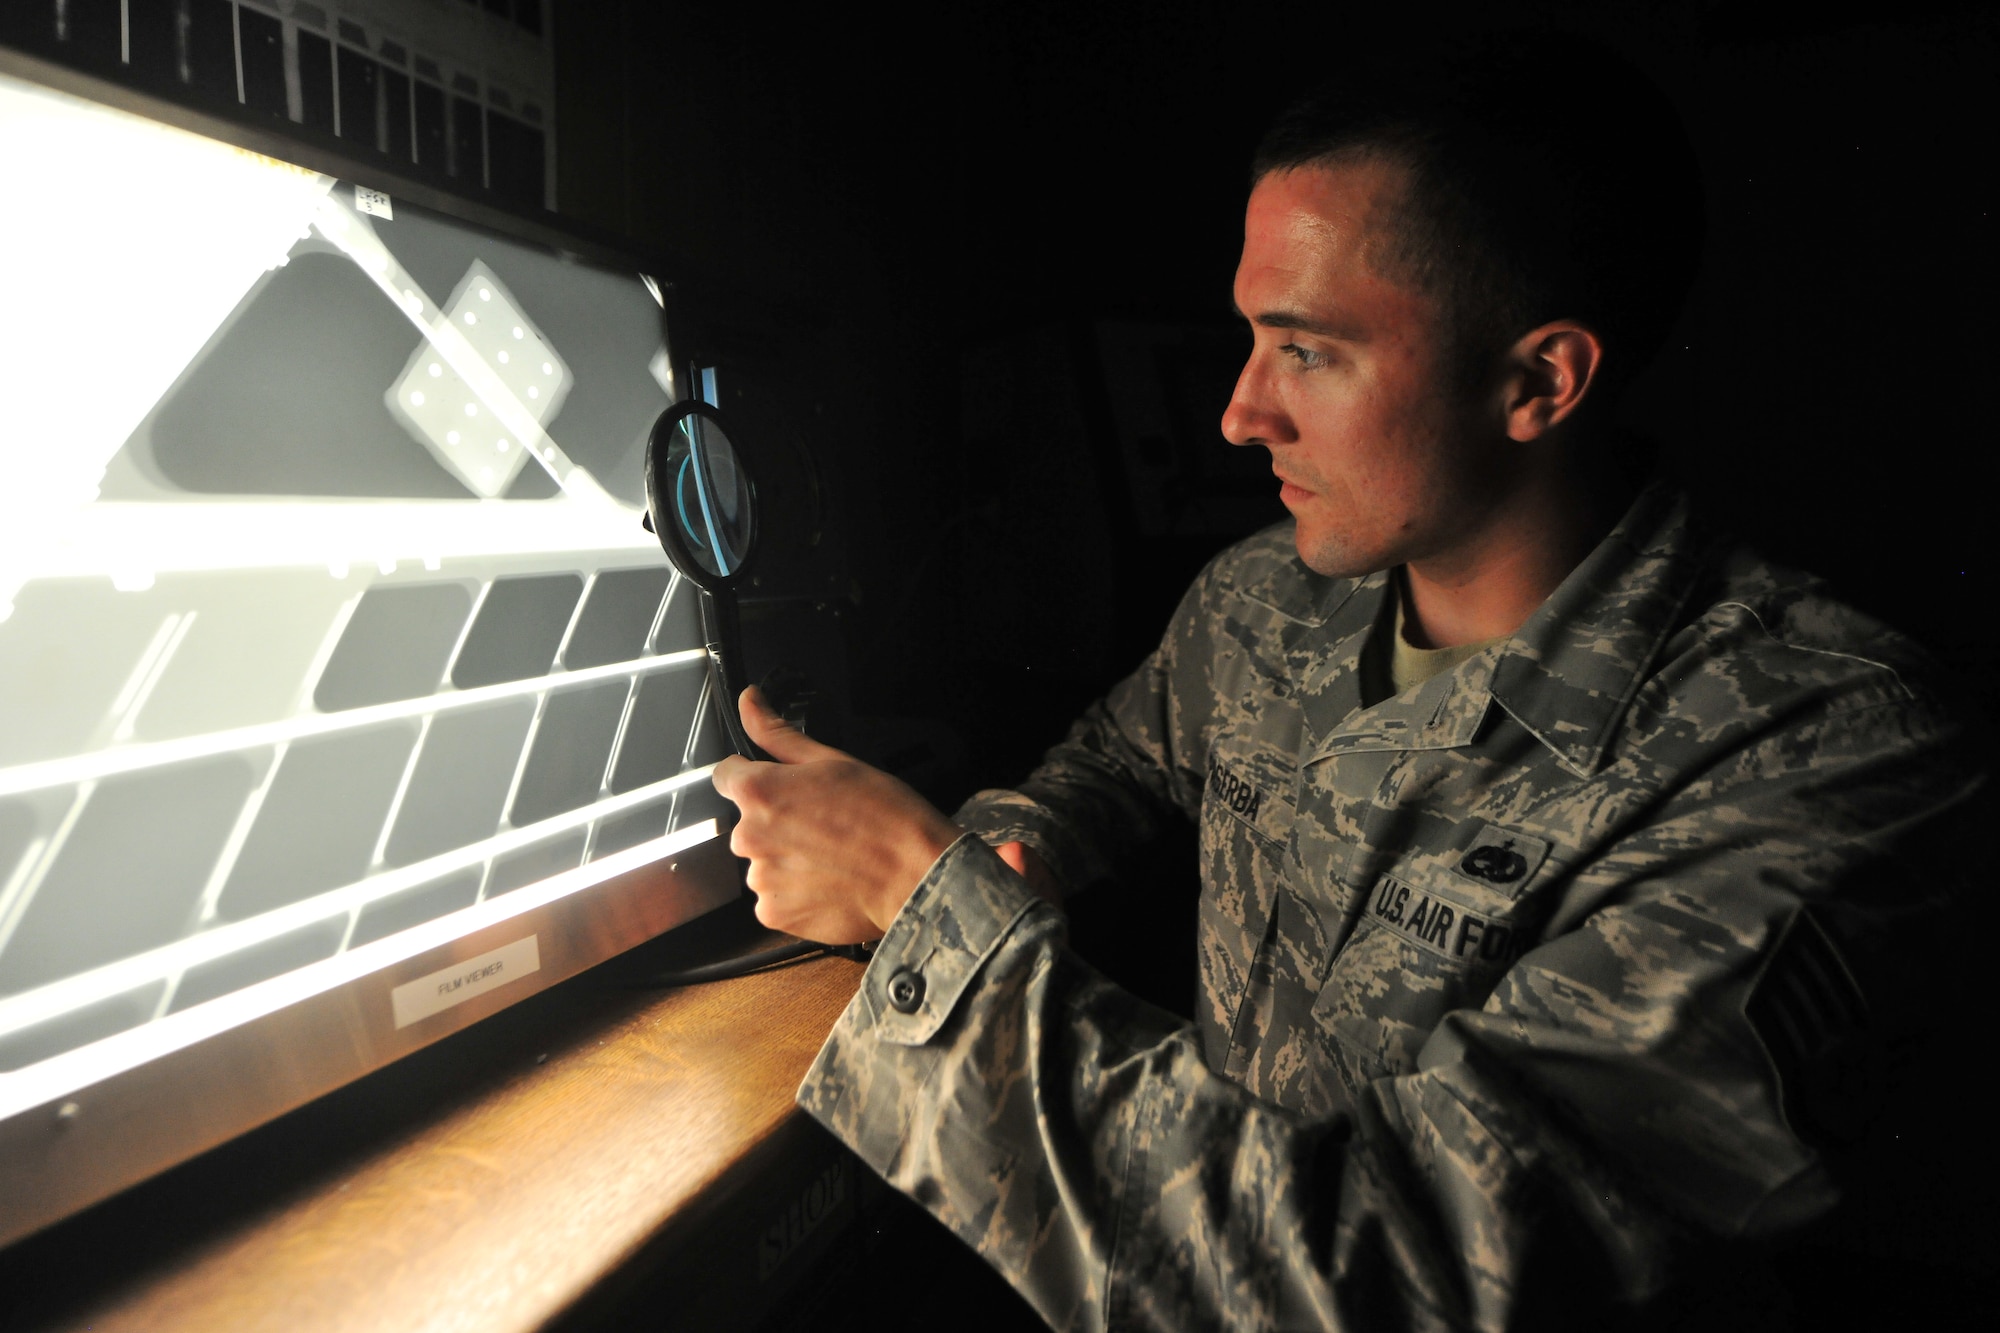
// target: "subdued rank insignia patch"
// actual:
[[1814, 1023], [1502, 858]]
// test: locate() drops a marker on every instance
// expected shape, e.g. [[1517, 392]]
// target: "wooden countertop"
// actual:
[[486, 1187]]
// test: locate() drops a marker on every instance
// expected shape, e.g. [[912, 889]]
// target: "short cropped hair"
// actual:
[[1547, 179]]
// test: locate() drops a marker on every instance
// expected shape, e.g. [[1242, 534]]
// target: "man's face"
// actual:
[[1347, 384]]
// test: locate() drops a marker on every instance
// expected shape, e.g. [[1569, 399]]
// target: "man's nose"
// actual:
[[1253, 416]]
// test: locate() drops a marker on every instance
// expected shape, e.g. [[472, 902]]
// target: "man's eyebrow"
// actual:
[[1287, 319]]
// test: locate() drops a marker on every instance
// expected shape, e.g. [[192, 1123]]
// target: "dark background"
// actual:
[[924, 221], [928, 226]]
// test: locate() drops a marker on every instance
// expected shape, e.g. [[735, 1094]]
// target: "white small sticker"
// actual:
[[373, 202], [458, 983]]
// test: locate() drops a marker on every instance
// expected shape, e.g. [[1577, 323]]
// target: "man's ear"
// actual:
[[1548, 372]]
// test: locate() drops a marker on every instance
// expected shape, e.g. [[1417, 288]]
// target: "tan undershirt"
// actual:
[[1412, 666]]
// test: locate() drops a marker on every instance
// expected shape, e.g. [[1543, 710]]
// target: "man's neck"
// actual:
[[1488, 584]]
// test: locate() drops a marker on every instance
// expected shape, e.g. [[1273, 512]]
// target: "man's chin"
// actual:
[[1326, 554]]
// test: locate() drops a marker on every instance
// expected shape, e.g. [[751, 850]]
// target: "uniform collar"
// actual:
[[1569, 673], [1440, 714], [1288, 589]]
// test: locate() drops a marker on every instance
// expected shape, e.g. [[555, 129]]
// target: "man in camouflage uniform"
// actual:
[[1517, 955]]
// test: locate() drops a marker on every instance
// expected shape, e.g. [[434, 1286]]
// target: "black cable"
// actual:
[[730, 968]]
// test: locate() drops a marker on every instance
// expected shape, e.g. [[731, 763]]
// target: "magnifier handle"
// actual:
[[721, 631]]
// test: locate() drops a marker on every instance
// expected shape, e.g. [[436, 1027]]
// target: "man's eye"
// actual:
[[1305, 356]]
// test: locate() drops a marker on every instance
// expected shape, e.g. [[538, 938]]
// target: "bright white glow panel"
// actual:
[[328, 628]]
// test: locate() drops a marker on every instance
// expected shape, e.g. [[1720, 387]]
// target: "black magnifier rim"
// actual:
[[659, 497]]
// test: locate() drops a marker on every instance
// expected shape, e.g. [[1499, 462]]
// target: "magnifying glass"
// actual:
[[702, 504]]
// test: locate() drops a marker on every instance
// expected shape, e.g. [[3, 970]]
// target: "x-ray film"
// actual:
[[329, 630]]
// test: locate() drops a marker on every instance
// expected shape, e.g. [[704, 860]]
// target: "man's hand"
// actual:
[[835, 847]]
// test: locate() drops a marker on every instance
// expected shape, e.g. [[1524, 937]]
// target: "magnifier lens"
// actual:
[[701, 502], [711, 502]]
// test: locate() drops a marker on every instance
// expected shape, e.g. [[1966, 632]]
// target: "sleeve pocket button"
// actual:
[[906, 991]]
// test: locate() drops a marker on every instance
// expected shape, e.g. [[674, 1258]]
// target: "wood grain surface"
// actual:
[[502, 1212]]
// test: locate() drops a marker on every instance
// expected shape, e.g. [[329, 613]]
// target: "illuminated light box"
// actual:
[[343, 697]]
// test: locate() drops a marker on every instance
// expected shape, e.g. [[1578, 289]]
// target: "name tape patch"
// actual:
[[1443, 928], [433, 994], [1238, 794]]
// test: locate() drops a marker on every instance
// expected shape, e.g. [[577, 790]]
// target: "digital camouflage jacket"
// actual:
[[1510, 984]]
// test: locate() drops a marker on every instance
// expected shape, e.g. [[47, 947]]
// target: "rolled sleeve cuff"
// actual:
[[962, 908], [864, 1083], [925, 991]]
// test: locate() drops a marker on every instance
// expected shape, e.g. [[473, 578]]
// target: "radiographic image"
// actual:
[[325, 606]]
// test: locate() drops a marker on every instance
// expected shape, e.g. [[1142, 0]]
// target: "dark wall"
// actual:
[[918, 229], [918, 237]]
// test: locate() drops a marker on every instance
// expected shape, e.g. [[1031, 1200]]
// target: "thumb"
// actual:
[[779, 738]]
